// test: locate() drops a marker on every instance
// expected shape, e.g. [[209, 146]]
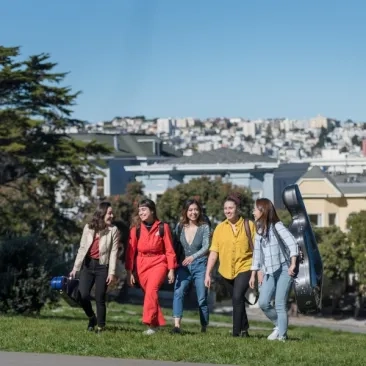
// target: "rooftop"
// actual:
[[131, 145]]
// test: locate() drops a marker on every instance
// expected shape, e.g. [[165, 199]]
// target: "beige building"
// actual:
[[329, 199]]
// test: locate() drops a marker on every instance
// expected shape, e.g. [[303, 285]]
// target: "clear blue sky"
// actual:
[[200, 58]]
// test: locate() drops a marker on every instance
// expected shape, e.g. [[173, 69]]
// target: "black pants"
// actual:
[[93, 272], [237, 289]]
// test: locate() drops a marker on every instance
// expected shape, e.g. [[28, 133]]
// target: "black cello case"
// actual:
[[309, 280]]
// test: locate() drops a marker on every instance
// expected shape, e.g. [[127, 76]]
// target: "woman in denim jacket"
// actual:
[[192, 239], [278, 270]]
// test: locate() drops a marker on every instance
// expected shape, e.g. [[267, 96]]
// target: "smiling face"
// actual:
[[108, 218], [145, 214], [257, 213], [193, 212], [231, 210]]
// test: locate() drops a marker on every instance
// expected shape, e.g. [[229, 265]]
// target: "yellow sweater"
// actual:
[[234, 251]]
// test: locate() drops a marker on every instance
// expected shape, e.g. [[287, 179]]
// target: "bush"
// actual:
[[25, 267]]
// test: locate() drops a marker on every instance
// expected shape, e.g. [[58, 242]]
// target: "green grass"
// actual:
[[63, 331]]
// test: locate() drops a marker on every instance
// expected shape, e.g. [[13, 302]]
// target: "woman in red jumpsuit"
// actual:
[[151, 255]]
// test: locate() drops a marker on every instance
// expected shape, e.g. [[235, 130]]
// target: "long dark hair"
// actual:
[[269, 216], [184, 219], [97, 222], [150, 204]]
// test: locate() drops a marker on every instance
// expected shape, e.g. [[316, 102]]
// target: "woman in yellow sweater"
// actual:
[[232, 244]]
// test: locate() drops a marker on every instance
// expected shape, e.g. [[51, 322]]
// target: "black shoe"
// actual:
[[176, 330], [92, 323], [100, 330], [203, 329], [245, 334]]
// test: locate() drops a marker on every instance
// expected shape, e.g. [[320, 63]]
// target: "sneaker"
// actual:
[[282, 339], [176, 330], [203, 329], [100, 330], [244, 334], [92, 323], [150, 331], [274, 335]]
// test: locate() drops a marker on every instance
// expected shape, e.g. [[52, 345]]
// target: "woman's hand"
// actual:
[[188, 260], [208, 280], [72, 274], [110, 279], [130, 279], [291, 270], [252, 280], [171, 276]]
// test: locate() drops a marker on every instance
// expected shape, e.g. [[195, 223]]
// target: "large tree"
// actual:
[[211, 192], [42, 169]]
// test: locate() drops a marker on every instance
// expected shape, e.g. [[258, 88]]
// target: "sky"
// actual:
[[200, 58]]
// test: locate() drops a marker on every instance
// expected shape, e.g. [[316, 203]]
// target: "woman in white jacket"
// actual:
[[97, 259]]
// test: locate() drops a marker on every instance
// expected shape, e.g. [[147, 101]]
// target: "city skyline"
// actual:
[[204, 59]]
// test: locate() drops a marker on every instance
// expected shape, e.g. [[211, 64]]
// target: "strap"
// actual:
[[161, 230], [249, 234]]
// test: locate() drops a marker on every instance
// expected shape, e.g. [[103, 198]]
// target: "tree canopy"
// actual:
[[42, 169], [211, 192]]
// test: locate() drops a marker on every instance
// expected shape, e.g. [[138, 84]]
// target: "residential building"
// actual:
[[127, 150], [331, 198], [240, 168]]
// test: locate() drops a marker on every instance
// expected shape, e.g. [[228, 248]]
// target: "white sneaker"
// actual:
[[274, 335], [282, 339], [150, 331]]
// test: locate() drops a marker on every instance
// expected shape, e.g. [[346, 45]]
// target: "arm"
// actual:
[[131, 250], [214, 253], [289, 240], [212, 258], [169, 248], [81, 251], [256, 263], [114, 252], [205, 242]]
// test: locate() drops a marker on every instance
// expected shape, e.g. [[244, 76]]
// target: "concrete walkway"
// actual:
[[34, 359]]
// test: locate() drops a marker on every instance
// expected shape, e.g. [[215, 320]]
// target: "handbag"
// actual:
[[68, 288]]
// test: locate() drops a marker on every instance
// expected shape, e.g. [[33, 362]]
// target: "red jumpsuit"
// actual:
[[155, 256]]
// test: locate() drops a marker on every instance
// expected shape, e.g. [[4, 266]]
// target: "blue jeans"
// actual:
[[194, 272], [276, 285]]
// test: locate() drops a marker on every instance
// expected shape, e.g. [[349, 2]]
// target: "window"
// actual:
[[100, 187], [315, 219], [332, 219]]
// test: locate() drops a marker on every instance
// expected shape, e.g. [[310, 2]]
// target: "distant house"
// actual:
[[330, 198], [249, 170], [128, 150], [284, 175]]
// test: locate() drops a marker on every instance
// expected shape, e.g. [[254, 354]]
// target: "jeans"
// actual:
[[237, 289], [93, 272], [278, 285], [185, 275]]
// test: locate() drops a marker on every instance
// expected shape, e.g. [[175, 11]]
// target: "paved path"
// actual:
[[34, 359]]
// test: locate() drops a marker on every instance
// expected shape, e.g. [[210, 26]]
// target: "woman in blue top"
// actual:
[[192, 239], [277, 264]]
